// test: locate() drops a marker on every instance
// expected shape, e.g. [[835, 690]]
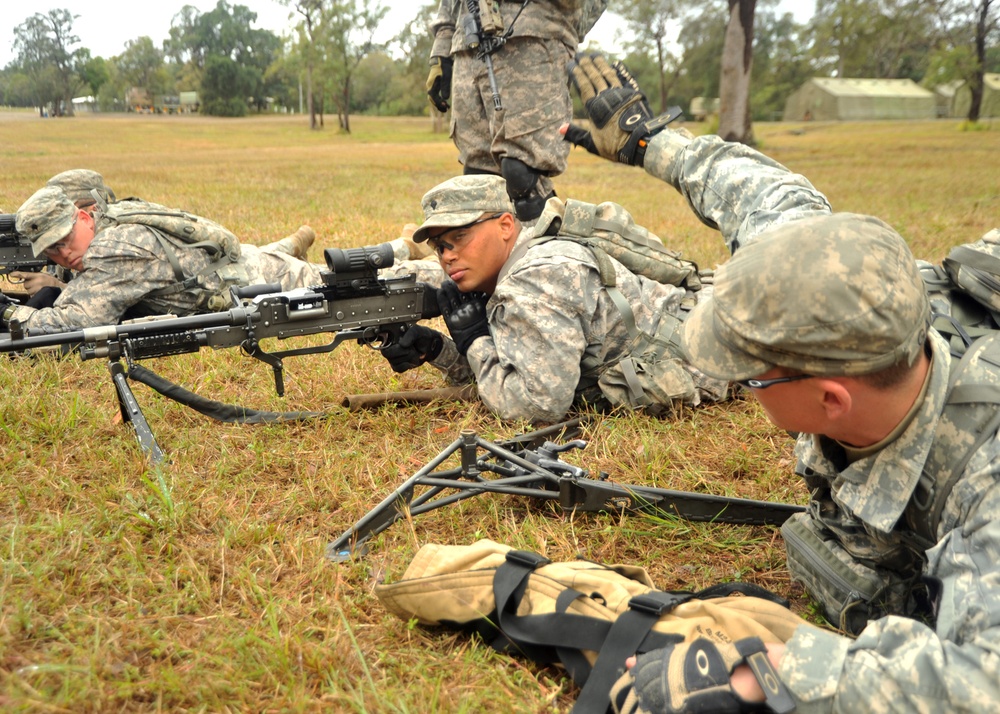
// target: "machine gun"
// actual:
[[15, 249], [353, 302], [484, 33], [531, 466]]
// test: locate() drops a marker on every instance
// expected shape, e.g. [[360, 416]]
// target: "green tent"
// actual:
[[991, 98], [832, 99]]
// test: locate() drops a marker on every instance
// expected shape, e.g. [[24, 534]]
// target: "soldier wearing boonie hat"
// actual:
[[825, 317], [534, 323], [80, 185]]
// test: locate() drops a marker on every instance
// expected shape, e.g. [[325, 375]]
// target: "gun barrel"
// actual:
[[106, 333]]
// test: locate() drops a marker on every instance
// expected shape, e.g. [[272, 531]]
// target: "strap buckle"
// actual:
[[526, 559]]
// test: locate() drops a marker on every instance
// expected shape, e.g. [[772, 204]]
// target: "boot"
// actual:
[[298, 243], [403, 248]]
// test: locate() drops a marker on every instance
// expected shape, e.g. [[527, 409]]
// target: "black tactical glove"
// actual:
[[439, 82], [45, 297], [464, 314], [623, 122], [693, 676], [417, 345]]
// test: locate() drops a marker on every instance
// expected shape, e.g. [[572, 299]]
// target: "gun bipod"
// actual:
[[538, 472]]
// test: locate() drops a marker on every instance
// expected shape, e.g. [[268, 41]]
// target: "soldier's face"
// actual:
[[473, 255], [69, 251]]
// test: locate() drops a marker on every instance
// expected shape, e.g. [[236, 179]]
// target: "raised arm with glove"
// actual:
[[622, 120]]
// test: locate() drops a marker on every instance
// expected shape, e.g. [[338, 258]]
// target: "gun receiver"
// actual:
[[353, 303], [15, 249], [526, 468]]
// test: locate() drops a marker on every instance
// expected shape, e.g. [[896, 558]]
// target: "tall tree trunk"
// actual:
[[313, 124], [977, 85], [734, 83]]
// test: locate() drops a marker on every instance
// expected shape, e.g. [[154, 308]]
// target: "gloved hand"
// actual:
[[623, 122], [439, 82], [44, 297], [693, 676], [464, 314], [417, 345]]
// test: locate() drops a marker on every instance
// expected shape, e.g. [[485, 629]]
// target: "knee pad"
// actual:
[[520, 178]]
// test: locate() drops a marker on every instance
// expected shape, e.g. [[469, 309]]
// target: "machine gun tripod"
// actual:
[[531, 466]]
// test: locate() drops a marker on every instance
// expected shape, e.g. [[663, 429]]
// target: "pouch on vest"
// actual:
[[656, 384], [849, 592], [586, 616]]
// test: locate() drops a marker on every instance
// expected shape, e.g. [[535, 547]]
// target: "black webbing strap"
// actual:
[[563, 637], [230, 413], [630, 634]]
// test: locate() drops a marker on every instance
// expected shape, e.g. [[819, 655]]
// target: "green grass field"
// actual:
[[202, 586]]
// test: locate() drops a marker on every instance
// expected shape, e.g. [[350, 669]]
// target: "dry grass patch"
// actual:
[[202, 586]]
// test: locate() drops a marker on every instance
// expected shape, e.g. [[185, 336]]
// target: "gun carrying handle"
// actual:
[[246, 292]]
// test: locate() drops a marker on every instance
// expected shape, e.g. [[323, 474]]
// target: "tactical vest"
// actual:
[[859, 576], [652, 375], [178, 230]]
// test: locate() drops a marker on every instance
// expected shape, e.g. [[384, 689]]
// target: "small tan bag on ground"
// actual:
[[586, 616]]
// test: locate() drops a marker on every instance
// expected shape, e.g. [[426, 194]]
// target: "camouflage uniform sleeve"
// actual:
[[529, 367], [118, 273], [443, 28], [452, 365], [730, 186]]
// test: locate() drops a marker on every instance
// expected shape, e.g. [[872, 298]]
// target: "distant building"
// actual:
[[944, 96], [702, 107], [832, 99], [991, 98]]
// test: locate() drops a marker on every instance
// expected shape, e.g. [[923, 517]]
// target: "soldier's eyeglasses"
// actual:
[[456, 242], [765, 383]]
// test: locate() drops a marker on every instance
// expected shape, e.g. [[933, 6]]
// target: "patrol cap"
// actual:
[[835, 295], [78, 184], [461, 200], [46, 218]]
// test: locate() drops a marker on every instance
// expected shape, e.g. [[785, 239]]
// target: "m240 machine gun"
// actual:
[[15, 249], [353, 303], [530, 466]]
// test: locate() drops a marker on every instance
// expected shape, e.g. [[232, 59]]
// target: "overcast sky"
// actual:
[[104, 26]]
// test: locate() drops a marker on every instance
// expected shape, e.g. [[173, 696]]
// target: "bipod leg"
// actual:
[[352, 543], [132, 413]]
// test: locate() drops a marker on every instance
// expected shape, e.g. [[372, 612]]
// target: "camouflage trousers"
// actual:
[[531, 79]]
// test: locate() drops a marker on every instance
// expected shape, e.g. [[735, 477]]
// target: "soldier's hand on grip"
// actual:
[[439, 82], [622, 120], [417, 345]]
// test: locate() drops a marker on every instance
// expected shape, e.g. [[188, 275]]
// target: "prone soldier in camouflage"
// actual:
[[124, 269], [521, 142], [534, 323], [825, 318]]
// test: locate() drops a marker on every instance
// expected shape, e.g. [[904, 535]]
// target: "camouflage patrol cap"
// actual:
[[78, 184], [46, 218], [836, 295], [461, 200]]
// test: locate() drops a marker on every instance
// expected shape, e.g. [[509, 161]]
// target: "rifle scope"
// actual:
[[366, 260]]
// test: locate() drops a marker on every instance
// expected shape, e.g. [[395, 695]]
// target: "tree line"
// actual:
[[328, 62]]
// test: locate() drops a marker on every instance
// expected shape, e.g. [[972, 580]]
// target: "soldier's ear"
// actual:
[[508, 226]]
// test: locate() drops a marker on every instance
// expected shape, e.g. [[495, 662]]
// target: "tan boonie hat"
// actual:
[[79, 183], [835, 295], [462, 200], [46, 218]]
